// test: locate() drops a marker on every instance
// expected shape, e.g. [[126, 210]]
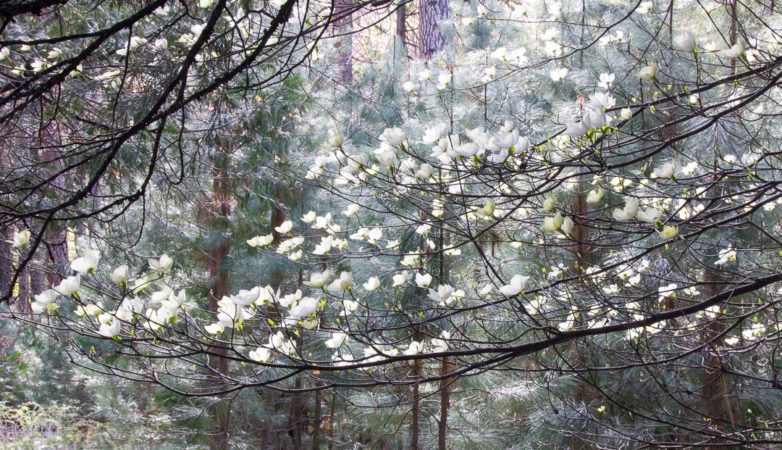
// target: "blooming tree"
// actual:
[[594, 211]]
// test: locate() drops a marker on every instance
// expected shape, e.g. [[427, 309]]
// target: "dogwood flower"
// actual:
[[21, 238], [46, 297], [401, 278], [567, 225], [684, 42], [445, 294], [260, 241], [735, 50], [392, 136], [284, 227], [119, 276], [595, 195], [553, 223], [318, 279], [342, 283], [372, 284], [649, 215], [558, 74], [110, 329], [423, 280], [260, 354], [665, 171], [69, 285], [606, 79], [414, 348], [161, 265], [86, 263], [629, 211], [726, 255], [305, 308], [309, 217], [648, 72], [669, 231], [336, 340], [515, 286]]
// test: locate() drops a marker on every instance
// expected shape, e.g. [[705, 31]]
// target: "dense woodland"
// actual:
[[429, 224]]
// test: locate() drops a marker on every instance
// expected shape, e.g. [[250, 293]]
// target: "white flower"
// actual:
[[684, 42], [553, 223], [87, 262], [548, 204], [626, 114], [665, 171], [606, 79], [161, 44], [735, 51], [445, 294], [644, 7], [567, 225], [120, 275], [342, 283], [576, 129], [284, 227], [439, 345], [337, 340], [4, 52], [755, 331], [647, 72], [726, 255], [93, 309], [260, 241], [161, 265], [443, 80], [423, 280], [21, 238], [372, 284], [408, 86], [595, 195], [414, 348], [46, 297], [205, 4], [318, 279], [110, 330], [669, 231], [260, 354], [649, 215], [305, 308], [309, 217], [392, 136], [401, 278], [558, 74], [214, 328], [629, 211], [336, 140], [69, 285], [515, 286]]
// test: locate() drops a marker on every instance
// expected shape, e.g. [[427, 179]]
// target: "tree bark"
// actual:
[[415, 414], [430, 38], [344, 26]]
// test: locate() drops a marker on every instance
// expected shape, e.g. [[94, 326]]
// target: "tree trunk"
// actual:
[[445, 403], [316, 422], [430, 38], [344, 26], [213, 213], [415, 414]]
